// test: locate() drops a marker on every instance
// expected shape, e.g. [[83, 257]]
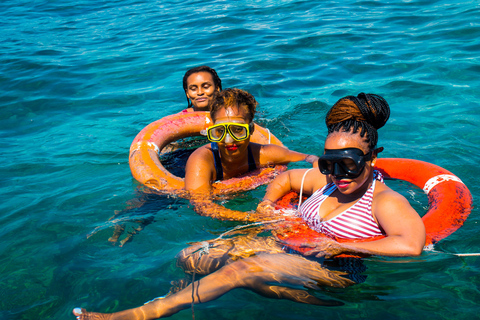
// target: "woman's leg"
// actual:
[[206, 289], [256, 273]]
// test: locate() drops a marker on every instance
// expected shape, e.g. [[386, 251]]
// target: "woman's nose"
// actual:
[[228, 138]]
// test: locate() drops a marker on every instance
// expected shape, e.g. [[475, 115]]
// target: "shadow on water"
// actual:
[[141, 210]]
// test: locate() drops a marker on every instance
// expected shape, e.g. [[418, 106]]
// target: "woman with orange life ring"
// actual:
[[348, 199], [345, 182], [230, 154], [200, 85]]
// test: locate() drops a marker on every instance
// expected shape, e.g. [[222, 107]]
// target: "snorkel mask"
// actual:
[[238, 131], [344, 163]]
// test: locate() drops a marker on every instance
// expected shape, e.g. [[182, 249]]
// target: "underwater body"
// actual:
[[80, 80]]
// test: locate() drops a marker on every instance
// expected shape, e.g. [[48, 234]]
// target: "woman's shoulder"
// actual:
[[201, 155], [384, 197], [200, 168], [310, 180]]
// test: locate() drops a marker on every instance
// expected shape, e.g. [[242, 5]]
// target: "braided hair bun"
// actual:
[[365, 112]]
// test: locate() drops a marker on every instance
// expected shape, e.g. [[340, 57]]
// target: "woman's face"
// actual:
[[228, 146], [343, 140], [200, 90]]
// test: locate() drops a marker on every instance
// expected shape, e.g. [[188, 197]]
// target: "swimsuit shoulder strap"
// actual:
[[251, 160], [301, 188], [377, 175], [217, 161]]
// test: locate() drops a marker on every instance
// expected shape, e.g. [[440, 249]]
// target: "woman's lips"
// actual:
[[342, 183], [231, 148]]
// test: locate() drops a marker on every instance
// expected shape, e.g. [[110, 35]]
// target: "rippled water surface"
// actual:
[[80, 79]]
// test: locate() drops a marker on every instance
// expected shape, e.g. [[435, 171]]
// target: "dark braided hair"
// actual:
[[216, 79], [232, 97], [365, 112]]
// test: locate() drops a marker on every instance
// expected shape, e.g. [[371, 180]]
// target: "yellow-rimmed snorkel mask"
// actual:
[[238, 131]]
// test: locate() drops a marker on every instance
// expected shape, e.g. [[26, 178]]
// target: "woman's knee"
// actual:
[[201, 259]]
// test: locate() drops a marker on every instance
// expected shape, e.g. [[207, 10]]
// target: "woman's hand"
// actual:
[[312, 159], [325, 247], [266, 207]]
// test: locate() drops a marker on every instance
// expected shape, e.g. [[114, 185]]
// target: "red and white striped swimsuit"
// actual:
[[356, 222]]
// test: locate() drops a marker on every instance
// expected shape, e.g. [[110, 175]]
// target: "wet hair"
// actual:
[[216, 79], [234, 97], [365, 112]]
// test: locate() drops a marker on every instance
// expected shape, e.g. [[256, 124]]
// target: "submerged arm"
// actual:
[[199, 175], [204, 206]]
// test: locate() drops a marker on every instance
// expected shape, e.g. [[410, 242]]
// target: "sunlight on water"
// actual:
[[80, 80]]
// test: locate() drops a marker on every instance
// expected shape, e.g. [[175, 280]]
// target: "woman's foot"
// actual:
[[82, 314], [150, 310]]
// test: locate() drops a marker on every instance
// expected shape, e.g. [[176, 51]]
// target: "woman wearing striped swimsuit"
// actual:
[[354, 223], [347, 200]]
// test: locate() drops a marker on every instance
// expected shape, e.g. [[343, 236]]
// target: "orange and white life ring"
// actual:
[[147, 169], [450, 202]]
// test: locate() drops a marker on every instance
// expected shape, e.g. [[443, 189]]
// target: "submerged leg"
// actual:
[[255, 273], [297, 295]]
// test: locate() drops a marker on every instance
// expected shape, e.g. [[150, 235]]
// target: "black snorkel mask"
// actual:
[[344, 163]]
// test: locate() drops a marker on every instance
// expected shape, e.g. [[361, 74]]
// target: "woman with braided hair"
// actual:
[[348, 200]]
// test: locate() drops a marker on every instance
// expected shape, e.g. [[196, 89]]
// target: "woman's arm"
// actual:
[[291, 180], [273, 154], [199, 175], [200, 171], [402, 224]]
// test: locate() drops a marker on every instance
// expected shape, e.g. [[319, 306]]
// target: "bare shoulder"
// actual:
[[388, 200], [200, 168], [397, 218], [384, 193], [309, 180], [204, 151]]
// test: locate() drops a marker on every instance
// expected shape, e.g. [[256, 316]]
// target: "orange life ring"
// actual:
[[450, 202], [147, 169]]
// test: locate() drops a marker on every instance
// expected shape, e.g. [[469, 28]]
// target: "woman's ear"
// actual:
[[375, 155], [377, 151], [251, 127]]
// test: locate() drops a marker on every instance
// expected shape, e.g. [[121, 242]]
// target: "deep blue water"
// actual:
[[80, 79]]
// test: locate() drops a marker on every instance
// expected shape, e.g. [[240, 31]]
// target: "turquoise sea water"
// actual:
[[80, 79]]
